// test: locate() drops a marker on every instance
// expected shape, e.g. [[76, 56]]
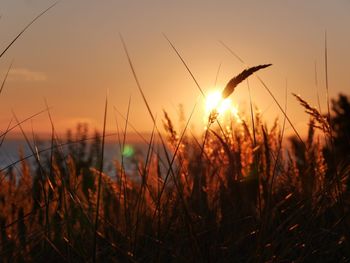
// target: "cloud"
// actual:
[[23, 74]]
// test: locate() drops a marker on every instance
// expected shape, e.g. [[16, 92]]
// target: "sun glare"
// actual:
[[224, 107], [212, 101]]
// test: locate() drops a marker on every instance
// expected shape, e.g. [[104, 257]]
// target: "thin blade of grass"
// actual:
[[135, 77], [316, 86], [122, 172], [3, 137], [26, 27], [183, 62], [21, 122], [233, 53], [162, 140], [217, 75], [55, 147], [338, 180], [99, 181], [326, 75], [172, 162], [280, 145], [35, 153], [146, 102], [118, 132], [140, 197], [138, 134], [5, 78], [54, 139], [252, 114]]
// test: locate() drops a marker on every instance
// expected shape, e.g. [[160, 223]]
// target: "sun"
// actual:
[[223, 107], [212, 101]]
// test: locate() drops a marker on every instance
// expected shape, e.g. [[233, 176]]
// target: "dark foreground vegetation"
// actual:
[[234, 195]]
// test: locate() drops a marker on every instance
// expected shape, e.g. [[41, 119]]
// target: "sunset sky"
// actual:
[[72, 55]]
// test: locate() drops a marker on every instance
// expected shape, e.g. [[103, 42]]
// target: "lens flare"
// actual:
[[128, 151]]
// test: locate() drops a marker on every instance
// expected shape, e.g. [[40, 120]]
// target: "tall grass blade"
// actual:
[[326, 74], [26, 27], [5, 78], [122, 172], [183, 62], [316, 86], [172, 162], [278, 152], [7, 128], [251, 113], [147, 105], [135, 77], [99, 182], [21, 122], [144, 186], [217, 75]]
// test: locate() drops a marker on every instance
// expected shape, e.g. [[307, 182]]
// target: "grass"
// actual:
[[204, 208], [236, 193]]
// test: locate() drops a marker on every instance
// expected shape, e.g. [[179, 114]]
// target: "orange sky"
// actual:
[[73, 55]]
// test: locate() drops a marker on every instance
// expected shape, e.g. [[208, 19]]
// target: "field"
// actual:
[[238, 192]]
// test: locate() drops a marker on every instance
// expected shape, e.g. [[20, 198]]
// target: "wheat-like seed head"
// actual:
[[322, 121], [232, 84], [170, 129]]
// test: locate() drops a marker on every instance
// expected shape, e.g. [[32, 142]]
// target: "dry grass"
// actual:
[[209, 208], [321, 121], [234, 194]]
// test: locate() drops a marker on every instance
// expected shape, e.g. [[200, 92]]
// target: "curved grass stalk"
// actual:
[[26, 27]]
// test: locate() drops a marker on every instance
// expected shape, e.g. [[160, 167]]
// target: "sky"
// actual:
[[72, 57]]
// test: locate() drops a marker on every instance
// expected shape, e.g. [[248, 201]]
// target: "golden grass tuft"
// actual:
[[322, 122]]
